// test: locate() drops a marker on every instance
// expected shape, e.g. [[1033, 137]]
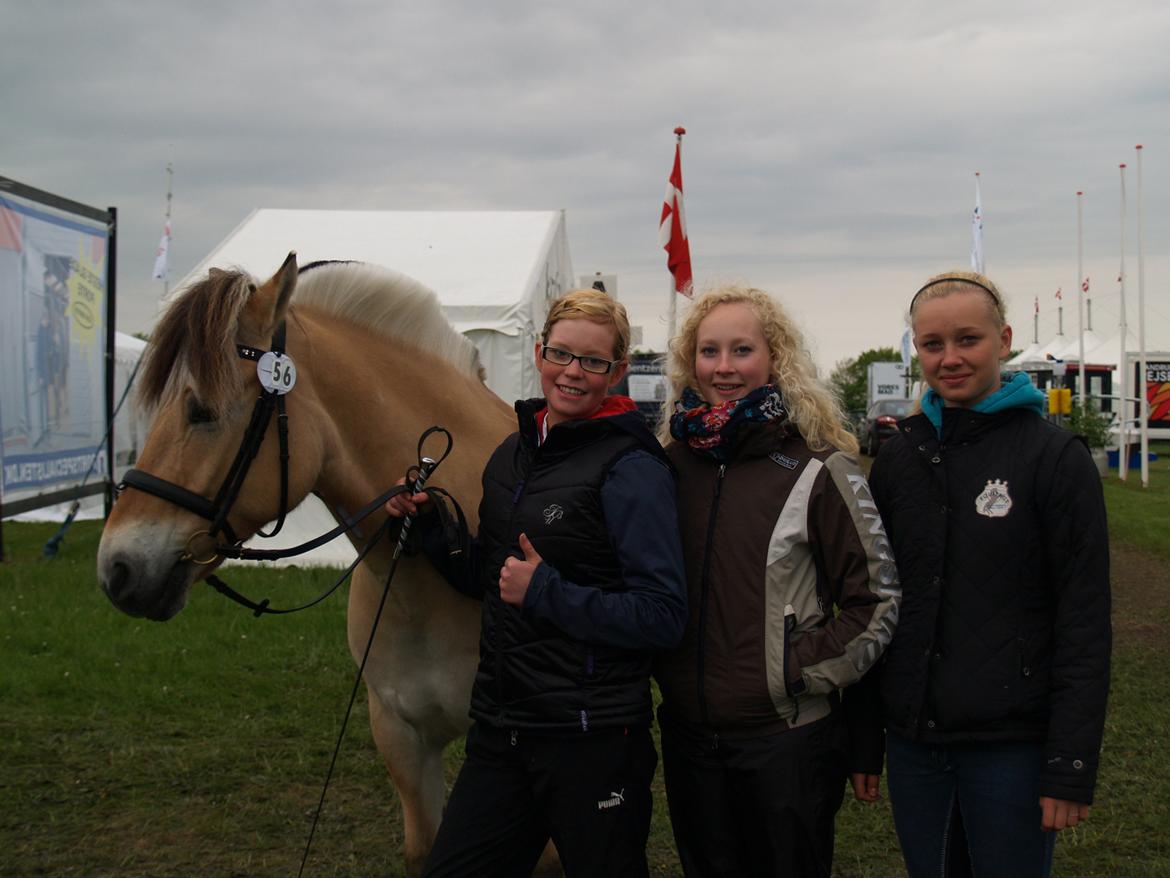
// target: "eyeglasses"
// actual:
[[596, 365]]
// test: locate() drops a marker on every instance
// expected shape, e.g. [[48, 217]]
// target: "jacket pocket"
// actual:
[[1033, 674]]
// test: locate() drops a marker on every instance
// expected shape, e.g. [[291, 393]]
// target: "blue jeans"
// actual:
[[984, 794]]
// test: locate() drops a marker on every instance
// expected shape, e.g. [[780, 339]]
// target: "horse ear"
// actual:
[[268, 304]]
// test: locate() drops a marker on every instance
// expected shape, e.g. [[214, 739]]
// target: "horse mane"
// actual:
[[388, 302], [195, 338]]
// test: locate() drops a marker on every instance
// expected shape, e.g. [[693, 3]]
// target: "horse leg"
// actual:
[[416, 767]]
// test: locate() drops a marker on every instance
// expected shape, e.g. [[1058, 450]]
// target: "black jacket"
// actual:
[[597, 501], [1001, 543]]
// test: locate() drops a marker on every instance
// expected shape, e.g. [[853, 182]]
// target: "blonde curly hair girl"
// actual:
[[812, 408]]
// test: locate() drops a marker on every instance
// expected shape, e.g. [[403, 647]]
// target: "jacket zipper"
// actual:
[[789, 627], [517, 493], [704, 591]]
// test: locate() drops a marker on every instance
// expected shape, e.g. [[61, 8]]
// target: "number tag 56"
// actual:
[[277, 372]]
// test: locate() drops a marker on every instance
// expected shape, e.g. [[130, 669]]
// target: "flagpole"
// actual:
[[672, 235], [673, 312], [1081, 303], [977, 230], [1123, 363], [1142, 395], [167, 278]]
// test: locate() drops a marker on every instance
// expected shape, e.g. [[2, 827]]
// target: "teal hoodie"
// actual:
[[1016, 391]]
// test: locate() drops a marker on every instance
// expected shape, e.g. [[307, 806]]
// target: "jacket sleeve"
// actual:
[[855, 574], [1077, 547], [861, 706], [639, 503], [461, 569]]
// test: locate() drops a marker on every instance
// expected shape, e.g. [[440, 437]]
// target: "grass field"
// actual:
[[199, 746]]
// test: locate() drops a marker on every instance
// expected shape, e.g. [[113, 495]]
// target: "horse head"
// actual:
[[202, 389]]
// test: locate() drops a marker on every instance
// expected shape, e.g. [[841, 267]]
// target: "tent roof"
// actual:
[[480, 263], [1034, 353], [1072, 350]]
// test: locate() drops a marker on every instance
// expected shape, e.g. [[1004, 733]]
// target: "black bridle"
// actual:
[[216, 511]]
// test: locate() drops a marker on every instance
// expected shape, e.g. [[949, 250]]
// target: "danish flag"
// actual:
[[672, 227]]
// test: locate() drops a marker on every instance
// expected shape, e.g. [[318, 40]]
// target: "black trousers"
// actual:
[[755, 808], [589, 792]]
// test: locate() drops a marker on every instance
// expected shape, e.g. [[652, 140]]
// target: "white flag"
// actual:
[[906, 350], [160, 257], [977, 231]]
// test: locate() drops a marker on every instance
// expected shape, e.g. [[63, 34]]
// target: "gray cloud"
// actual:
[[830, 157]]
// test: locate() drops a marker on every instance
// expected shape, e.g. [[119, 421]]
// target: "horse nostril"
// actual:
[[115, 583]]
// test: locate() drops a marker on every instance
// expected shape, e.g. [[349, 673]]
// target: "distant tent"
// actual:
[[1072, 350], [1038, 353], [1027, 355], [1108, 352]]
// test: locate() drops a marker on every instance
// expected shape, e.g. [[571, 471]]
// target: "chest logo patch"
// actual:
[[784, 460], [553, 512], [995, 501]]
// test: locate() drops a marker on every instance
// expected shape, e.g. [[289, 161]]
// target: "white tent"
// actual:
[[494, 273], [1072, 350], [1029, 354], [1039, 353]]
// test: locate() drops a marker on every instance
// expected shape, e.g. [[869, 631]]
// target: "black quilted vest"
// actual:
[[531, 675]]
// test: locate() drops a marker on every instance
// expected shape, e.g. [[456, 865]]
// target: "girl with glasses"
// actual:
[[579, 567]]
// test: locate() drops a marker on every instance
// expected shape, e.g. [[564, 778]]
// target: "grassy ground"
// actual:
[[131, 748]]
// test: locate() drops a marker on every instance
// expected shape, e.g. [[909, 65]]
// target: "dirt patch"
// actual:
[[1141, 597]]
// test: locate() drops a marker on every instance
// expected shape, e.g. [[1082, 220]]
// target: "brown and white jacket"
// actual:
[[792, 589]]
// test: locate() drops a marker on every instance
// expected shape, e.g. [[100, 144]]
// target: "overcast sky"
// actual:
[[830, 154]]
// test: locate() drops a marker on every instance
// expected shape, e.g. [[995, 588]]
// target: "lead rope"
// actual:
[[421, 472]]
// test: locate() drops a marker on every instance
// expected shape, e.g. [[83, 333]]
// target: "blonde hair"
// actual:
[[812, 408], [957, 281], [591, 305]]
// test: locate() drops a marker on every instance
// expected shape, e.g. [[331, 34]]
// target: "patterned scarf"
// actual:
[[711, 429]]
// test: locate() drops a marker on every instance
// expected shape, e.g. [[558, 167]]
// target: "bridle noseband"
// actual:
[[216, 511]]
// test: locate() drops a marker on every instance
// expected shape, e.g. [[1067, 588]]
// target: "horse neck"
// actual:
[[372, 398]]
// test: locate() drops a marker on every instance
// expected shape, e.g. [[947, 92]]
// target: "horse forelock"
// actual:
[[195, 341], [388, 302]]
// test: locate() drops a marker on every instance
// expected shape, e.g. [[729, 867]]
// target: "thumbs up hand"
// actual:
[[516, 573]]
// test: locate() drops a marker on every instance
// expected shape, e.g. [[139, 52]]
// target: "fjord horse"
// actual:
[[376, 364]]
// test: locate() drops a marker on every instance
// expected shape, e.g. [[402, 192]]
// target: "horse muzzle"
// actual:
[[151, 585]]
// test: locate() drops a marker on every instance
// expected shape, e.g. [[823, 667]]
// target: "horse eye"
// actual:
[[197, 413]]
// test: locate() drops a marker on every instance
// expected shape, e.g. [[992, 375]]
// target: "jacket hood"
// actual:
[[1016, 391]]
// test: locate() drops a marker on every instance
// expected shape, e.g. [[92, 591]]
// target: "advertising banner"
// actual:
[[1157, 388], [53, 289]]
